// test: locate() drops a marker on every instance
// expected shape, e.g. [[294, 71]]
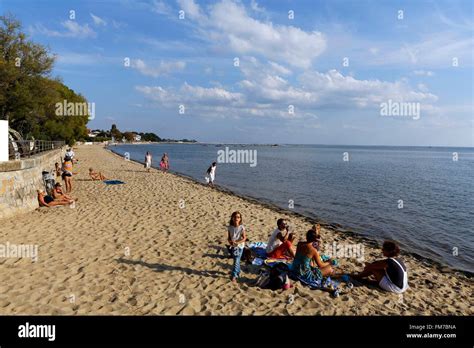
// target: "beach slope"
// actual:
[[156, 245]]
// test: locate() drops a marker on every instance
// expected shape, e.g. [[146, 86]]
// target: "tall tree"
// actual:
[[28, 94]]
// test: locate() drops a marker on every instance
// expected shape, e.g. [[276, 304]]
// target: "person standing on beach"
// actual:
[[211, 174], [236, 237], [148, 160], [164, 164], [67, 173]]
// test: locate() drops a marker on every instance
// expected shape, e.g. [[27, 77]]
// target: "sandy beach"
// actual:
[[156, 246]]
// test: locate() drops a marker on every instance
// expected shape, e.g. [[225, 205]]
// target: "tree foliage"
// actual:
[[28, 94]]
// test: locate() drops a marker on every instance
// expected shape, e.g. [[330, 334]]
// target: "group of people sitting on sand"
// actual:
[[308, 263], [58, 196]]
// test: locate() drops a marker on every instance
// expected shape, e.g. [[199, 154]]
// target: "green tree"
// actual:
[[28, 94], [129, 136], [114, 132]]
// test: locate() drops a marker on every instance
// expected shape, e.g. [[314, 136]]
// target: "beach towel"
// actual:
[[113, 182], [258, 261], [259, 248], [274, 262], [326, 258]]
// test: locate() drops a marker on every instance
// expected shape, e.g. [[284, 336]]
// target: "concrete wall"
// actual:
[[19, 181]]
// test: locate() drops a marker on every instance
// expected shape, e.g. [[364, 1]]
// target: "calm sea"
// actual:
[[419, 196]]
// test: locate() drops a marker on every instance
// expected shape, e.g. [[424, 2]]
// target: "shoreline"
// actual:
[[333, 227], [155, 245]]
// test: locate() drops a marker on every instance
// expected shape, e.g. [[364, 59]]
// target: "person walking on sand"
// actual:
[[236, 237], [148, 160], [211, 174], [164, 164]]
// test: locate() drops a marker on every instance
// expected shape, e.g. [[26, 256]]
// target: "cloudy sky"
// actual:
[[255, 71]]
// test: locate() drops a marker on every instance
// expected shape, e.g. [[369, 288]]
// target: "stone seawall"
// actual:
[[19, 181]]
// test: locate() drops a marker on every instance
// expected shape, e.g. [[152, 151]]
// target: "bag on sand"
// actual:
[[278, 277], [248, 255], [263, 279]]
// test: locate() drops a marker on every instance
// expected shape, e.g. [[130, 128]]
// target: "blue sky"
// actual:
[[284, 64]]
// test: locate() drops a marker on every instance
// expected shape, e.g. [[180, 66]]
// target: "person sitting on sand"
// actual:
[[301, 268], [48, 201], [59, 195], [236, 237], [317, 245], [280, 244], [390, 274], [96, 175]]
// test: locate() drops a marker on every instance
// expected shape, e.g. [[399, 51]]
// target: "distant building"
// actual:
[[138, 137], [93, 134]]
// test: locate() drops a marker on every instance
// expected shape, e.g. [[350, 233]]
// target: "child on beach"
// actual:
[[57, 170], [211, 174], [236, 237], [317, 245], [390, 274]]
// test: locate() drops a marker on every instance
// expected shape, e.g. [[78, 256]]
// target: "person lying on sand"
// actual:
[[48, 201], [96, 175], [59, 195], [390, 274], [280, 244]]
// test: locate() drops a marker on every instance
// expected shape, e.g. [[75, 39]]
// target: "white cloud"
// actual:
[[191, 9], [98, 21], [255, 7], [374, 50], [442, 48], [161, 69], [279, 68], [161, 8], [190, 94], [227, 24], [73, 29], [333, 88], [423, 73], [265, 93], [72, 58]]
